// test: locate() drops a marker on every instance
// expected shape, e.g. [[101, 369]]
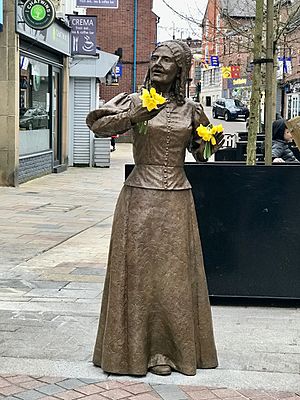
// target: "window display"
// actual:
[[34, 106]]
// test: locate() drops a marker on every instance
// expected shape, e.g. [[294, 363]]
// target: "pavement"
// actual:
[[54, 240]]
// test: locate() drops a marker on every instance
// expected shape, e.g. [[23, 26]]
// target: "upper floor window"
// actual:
[[218, 22]]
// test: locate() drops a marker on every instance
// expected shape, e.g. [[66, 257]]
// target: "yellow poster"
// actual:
[[226, 72]]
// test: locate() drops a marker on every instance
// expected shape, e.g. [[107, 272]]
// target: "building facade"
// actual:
[[38, 80], [289, 74], [225, 35], [43, 98], [33, 112], [131, 32]]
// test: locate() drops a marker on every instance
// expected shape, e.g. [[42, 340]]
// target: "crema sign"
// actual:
[[38, 14]]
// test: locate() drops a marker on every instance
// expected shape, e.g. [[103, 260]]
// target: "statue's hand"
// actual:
[[140, 114], [214, 148], [220, 141]]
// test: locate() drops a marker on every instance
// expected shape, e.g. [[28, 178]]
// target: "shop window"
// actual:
[[34, 106]]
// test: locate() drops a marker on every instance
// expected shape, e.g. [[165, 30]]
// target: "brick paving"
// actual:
[[18, 387]]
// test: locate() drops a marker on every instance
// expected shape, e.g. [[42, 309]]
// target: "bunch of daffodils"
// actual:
[[151, 99], [207, 133]]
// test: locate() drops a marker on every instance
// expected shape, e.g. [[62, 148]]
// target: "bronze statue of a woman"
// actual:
[[155, 311]]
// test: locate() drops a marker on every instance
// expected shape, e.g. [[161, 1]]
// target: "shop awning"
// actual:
[[93, 67]]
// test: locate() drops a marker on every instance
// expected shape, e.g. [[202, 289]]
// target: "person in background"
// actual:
[[113, 142], [281, 137]]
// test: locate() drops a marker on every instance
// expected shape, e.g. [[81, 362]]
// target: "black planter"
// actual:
[[249, 220]]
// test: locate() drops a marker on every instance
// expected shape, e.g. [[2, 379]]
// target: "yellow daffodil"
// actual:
[[157, 97], [202, 130], [213, 130], [206, 134], [219, 128], [151, 99], [213, 140]]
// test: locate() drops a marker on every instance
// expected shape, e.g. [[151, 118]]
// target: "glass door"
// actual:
[[56, 115]]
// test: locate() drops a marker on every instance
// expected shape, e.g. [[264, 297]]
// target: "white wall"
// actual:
[[64, 7]]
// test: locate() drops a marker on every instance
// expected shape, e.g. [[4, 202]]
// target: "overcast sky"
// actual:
[[169, 21]]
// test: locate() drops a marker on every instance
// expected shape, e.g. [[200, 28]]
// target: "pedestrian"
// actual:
[[113, 142], [155, 311], [281, 139]]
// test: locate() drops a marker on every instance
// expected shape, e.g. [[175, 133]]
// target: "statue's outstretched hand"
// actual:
[[214, 148], [220, 141], [140, 114]]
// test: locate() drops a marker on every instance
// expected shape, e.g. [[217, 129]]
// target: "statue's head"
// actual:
[[170, 65]]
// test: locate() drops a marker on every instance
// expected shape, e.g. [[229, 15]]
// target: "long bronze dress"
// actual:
[[155, 307]]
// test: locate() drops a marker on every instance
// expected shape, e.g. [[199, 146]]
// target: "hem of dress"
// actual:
[[183, 371]]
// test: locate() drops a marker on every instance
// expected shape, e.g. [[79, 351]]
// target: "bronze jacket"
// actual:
[[159, 153]]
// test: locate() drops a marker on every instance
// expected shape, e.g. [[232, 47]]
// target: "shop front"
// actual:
[[42, 99], [85, 75], [292, 99]]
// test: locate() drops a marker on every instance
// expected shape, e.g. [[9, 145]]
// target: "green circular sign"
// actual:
[[38, 14]]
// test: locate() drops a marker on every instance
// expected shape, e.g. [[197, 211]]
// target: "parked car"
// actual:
[[230, 109], [34, 118]]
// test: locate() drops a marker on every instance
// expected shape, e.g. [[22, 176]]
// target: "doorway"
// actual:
[[56, 103], [208, 101]]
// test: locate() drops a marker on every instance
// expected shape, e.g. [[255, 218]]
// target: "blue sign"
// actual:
[[98, 3], [119, 70], [1, 15], [284, 66], [214, 61]]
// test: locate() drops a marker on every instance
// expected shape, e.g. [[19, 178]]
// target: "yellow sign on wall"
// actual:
[[226, 72]]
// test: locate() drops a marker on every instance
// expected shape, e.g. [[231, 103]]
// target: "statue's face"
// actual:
[[163, 68]]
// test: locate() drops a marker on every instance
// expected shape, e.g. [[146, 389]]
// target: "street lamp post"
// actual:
[[188, 42]]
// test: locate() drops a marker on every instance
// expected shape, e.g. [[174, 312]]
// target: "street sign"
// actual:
[[284, 66], [235, 71], [214, 61], [226, 72], [1, 15], [119, 70], [38, 14], [83, 34], [97, 3]]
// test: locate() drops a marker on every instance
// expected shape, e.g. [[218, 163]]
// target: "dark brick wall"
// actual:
[[35, 166], [115, 29]]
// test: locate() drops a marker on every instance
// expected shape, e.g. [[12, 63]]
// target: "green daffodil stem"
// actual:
[[143, 126], [207, 150]]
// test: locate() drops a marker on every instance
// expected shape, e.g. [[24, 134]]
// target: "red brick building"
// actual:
[[226, 25], [116, 30]]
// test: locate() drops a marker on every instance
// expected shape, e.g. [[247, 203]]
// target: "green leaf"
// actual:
[[207, 150]]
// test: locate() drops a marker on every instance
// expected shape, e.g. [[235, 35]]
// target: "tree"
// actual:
[[256, 84]]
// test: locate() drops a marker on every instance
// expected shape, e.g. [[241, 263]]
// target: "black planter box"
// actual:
[[249, 221]]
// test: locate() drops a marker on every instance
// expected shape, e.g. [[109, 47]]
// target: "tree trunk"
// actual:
[[256, 85], [269, 82], [275, 66]]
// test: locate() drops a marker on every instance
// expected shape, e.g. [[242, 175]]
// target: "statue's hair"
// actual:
[[183, 58]]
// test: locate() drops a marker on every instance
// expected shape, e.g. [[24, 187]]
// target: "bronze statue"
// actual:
[[155, 311]]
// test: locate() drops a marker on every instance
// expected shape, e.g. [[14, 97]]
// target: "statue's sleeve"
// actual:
[[112, 118], [199, 117]]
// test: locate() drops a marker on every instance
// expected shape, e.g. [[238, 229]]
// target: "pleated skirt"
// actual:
[[155, 307]]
